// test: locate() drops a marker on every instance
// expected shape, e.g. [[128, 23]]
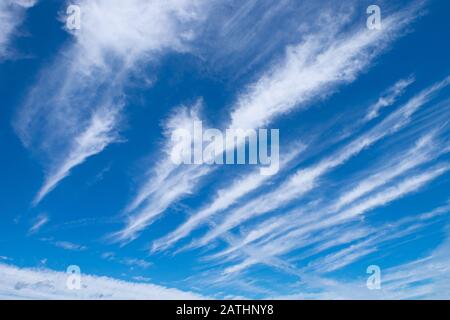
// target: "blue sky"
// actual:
[[87, 179]]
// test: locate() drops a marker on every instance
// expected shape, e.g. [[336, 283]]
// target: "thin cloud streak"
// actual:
[[12, 14], [389, 98], [97, 136], [423, 278], [40, 221]]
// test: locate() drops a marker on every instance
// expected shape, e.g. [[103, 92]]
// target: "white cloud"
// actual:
[[11, 16], [389, 97], [295, 229], [423, 278], [425, 150], [66, 245], [314, 68], [24, 3], [182, 118], [73, 112], [133, 262], [122, 28], [40, 221], [304, 180], [17, 283], [299, 237], [310, 70], [224, 199], [96, 137]]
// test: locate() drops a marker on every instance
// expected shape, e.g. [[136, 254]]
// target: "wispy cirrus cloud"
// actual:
[[423, 278], [11, 16], [224, 198], [131, 262], [228, 196], [300, 236], [318, 226], [296, 228], [73, 119], [376, 241], [365, 185], [327, 58], [425, 150], [167, 182], [99, 133], [66, 245], [389, 97], [39, 222], [304, 180]]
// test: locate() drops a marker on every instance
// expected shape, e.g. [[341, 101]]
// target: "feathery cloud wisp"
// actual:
[[389, 97], [40, 221], [310, 70], [71, 120], [11, 16]]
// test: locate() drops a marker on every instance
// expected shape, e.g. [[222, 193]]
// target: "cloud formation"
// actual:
[[12, 13], [32, 284], [74, 111], [309, 71]]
